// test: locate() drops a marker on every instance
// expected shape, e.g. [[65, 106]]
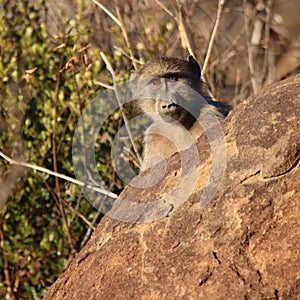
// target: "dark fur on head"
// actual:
[[171, 92], [162, 66], [187, 73]]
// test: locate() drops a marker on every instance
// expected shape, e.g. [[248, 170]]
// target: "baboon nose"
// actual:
[[172, 104], [169, 105]]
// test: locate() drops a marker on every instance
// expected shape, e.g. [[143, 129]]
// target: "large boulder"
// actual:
[[242, 244]]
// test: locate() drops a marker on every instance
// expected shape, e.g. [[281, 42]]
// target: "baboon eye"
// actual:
[[173, 78], [156, 81]]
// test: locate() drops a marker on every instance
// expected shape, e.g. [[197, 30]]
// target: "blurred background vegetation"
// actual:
[[51, 69]]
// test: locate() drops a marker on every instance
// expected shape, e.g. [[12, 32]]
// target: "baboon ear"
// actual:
[[193, 64]]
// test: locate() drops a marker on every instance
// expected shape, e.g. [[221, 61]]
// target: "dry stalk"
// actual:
[[269, 62], [251, 50], [165, 9], [125, 34], [67, 178], [221, 4], [120, 22], [128, 56], [6, 266], [108, 12], [112, 72], [186, 44]]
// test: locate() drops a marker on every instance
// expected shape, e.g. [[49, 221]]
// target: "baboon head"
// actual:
[[170, 88]]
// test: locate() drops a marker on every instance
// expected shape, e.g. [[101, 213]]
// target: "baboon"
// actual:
[[171, 92]]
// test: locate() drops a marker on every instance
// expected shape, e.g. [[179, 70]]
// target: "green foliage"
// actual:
[[46, 82]]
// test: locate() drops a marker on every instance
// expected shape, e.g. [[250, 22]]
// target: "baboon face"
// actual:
[[168, 87]]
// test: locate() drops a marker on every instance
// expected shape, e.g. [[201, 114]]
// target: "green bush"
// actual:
[[46, 81]]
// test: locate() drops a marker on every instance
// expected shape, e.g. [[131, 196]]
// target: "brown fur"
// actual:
[[171, 91]]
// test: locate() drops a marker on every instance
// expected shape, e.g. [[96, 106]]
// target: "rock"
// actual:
[[244, 243]]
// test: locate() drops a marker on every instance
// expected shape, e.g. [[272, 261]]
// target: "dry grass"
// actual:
[[242, 46]]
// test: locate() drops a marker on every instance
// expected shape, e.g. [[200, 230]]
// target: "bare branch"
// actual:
[[213, 36], [126, 35], [105, 85], [120, 22], [269, 45], [250, 50], [185, 42], [165, 9], [81, 216], [67, 178], [6, 265], [182, 31], [128, 56], [108, 12], [112, 72]]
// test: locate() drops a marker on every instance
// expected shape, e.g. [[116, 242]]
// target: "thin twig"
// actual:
[[182, 31], [81, 216], [90, 229], [6, 266], [128, 56], [120, 22], [250, 49], [55, 151], [67, 178], [54, 145], [165, 9], [213, 36], [108, 12], [112, 72], [269, 61], [105, 85], [125, 34]]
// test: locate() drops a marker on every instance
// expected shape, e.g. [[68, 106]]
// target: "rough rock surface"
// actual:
[[245, 244]]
